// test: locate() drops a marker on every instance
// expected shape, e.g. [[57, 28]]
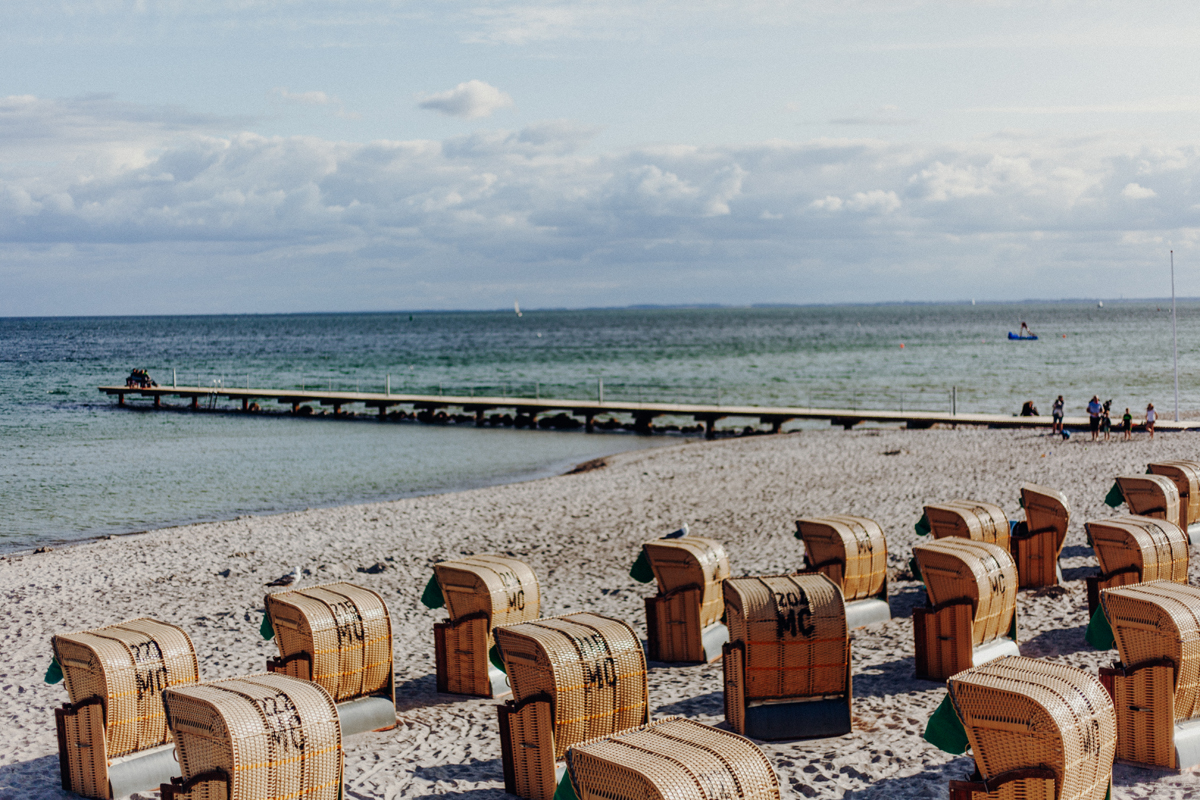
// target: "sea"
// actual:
[[74, 465]]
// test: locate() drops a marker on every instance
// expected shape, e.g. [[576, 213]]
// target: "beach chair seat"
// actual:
[[480, 593], [969, 519], [1150, 496], [259, 737], [338, 635], [1133, 549], [970, 615], [574, 678], [671, 759], [683, 621], [113, 738], [1156, 684], [1036, 729], [851, 552], [1186, 477], [787, 663], [1037, 544]]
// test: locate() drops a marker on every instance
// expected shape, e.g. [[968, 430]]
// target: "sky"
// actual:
[[260, 156]]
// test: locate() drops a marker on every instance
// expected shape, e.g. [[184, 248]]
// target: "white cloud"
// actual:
[[313, 98], [1135, 192], [95, 186], [470, 100]]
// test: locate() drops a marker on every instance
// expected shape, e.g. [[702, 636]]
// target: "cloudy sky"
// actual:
[[177, 156]]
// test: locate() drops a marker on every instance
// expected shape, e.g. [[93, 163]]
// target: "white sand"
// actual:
[[581, 533]]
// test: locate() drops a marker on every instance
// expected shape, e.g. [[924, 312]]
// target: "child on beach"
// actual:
[[1106, 419], [1127, 424], [1057, 412], [1151, 416]]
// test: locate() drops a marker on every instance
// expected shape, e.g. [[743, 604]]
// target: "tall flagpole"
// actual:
[[1175, 335]]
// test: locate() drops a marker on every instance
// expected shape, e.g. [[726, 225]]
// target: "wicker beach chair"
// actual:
[[260, 737], [683, 621], [851, 552], [1156, 685], [1150, 496], [671, 759], [1186, 477], [113, 738], [787, 663], [340, 636], [1037, 543], [970, 616], [1135, 549], [481, 593], [969, 519], [1038, 731], [574, 678]]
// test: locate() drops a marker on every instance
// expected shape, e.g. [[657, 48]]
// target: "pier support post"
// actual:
[[245, 404], [589, 423], [710, 428], [295, 407], [158, 401], [195, 402], [641, 424], [337, 408], [382, 412], [120, 398]]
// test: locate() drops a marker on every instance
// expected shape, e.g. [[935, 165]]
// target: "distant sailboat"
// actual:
[[517, 307], [1100, 304]]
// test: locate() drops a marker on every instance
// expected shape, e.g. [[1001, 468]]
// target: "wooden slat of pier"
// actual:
[[592, 408]]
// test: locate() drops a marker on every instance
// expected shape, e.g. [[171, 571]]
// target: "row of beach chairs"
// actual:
[[139, 715]]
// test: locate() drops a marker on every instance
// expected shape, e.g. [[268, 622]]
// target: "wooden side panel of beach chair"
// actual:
[[671, 759], [733, 661], [527, 747], [969, 519], [942, 640], [1150, 496], [82, 748], [461, 649], [1186, 477], [673, 625], [1145, 704], [1036, 550], [851, 551]]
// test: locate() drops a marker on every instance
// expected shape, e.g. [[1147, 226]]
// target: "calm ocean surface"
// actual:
[[74, 465]]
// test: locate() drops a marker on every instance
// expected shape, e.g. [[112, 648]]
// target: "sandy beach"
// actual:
[[580, 533]]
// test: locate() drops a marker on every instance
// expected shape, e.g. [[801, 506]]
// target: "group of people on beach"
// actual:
[[1100, 419], [139, 379]]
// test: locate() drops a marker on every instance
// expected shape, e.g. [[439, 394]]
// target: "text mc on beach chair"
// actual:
[[481, 593], [670, 759], [1134, 549], [851, 552], [971, 612], [1037, 543], [1038, 731], [259, 737], [113, 738], [339, 636], [1156, 685], [574, 678], [683, 621], [787, 663]]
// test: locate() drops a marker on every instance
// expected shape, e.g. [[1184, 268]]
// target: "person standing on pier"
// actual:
[[1057, 413], [1151, 417]]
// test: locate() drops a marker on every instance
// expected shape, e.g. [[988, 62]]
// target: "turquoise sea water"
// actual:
[[73, 464]]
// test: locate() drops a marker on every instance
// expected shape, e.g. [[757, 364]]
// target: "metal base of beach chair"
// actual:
[[1193, 533], [942, 638], [867, 612], [1147, 735], [527, 748], [85, 769], [1021, 784]]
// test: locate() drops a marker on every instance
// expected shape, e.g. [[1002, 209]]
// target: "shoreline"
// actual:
[[580, 533]]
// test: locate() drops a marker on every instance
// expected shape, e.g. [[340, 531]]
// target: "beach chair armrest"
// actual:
[[297, 665], [1039, 785]]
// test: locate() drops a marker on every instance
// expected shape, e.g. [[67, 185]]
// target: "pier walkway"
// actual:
[[643, 414]]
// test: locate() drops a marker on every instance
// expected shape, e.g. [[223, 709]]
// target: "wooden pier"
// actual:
[[642, 414]]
